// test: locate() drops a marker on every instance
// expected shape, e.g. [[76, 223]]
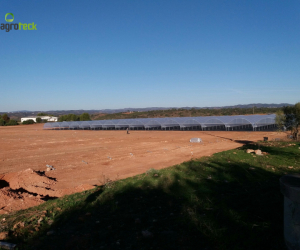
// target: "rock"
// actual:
[[258, 152], [40, 220], [20, 224], [250, 151], [3, 235], [49, 167]]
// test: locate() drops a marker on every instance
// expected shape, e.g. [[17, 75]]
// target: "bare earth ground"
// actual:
[[84, 158]]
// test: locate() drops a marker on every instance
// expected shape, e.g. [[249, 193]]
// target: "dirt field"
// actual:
[[84, 158]]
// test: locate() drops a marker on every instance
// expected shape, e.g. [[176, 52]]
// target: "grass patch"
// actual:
[[231, 200]]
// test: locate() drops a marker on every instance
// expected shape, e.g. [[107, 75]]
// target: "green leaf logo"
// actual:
[[9, 20]]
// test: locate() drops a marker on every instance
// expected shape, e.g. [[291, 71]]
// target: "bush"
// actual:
[[292, 119], [38, 120], [69, 117], [12, 123], [28, 122], [5, 118], [2, 122], [85, 117]]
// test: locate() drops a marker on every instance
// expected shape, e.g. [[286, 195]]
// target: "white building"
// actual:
[[48, 118]]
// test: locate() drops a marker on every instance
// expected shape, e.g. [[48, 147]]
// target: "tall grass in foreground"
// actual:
[[228, 201]]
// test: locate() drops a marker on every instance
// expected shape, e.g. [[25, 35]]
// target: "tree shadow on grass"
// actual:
[[244, 142], [212, 204], [281, 152]]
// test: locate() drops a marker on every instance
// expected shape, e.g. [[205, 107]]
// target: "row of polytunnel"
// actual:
[[253, 122]]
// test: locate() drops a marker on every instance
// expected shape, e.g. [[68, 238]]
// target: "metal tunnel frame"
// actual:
[[228, 123]]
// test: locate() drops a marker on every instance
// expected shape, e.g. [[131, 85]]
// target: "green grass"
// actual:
[[230, 200]]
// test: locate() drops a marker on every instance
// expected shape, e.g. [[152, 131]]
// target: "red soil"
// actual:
[[85, 158]]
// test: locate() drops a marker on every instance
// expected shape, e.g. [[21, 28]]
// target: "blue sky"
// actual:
[[100, 54]]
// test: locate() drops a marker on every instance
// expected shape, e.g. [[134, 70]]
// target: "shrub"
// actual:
[[69, 117], [85, 117], [2, 122], [5, 118], [38, 120], [12, 123], [28, 122], [292, 119]]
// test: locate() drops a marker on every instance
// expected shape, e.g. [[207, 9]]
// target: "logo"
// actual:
[[16, 26], [9, 20]]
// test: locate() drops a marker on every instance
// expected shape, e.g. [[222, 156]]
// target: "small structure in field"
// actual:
[[46, 118], [199, 140]]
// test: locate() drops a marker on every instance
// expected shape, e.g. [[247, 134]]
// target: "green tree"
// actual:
[[72, 117], [38, 120], [5, 118], [2, 122], [12, 123], [28, 122], [280, 119], [85, 117], [61, 118], [292, 119], [68, 117]]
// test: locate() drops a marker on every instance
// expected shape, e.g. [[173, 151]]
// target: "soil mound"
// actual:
[[29, 188], [11, 200], [32, 182]]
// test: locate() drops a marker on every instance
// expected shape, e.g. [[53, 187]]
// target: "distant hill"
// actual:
[[259, 105], [103, 112]]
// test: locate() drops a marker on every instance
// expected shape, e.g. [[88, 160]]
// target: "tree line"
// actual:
[[186, 113], [43, 114], [6, 121], [73, 117]]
